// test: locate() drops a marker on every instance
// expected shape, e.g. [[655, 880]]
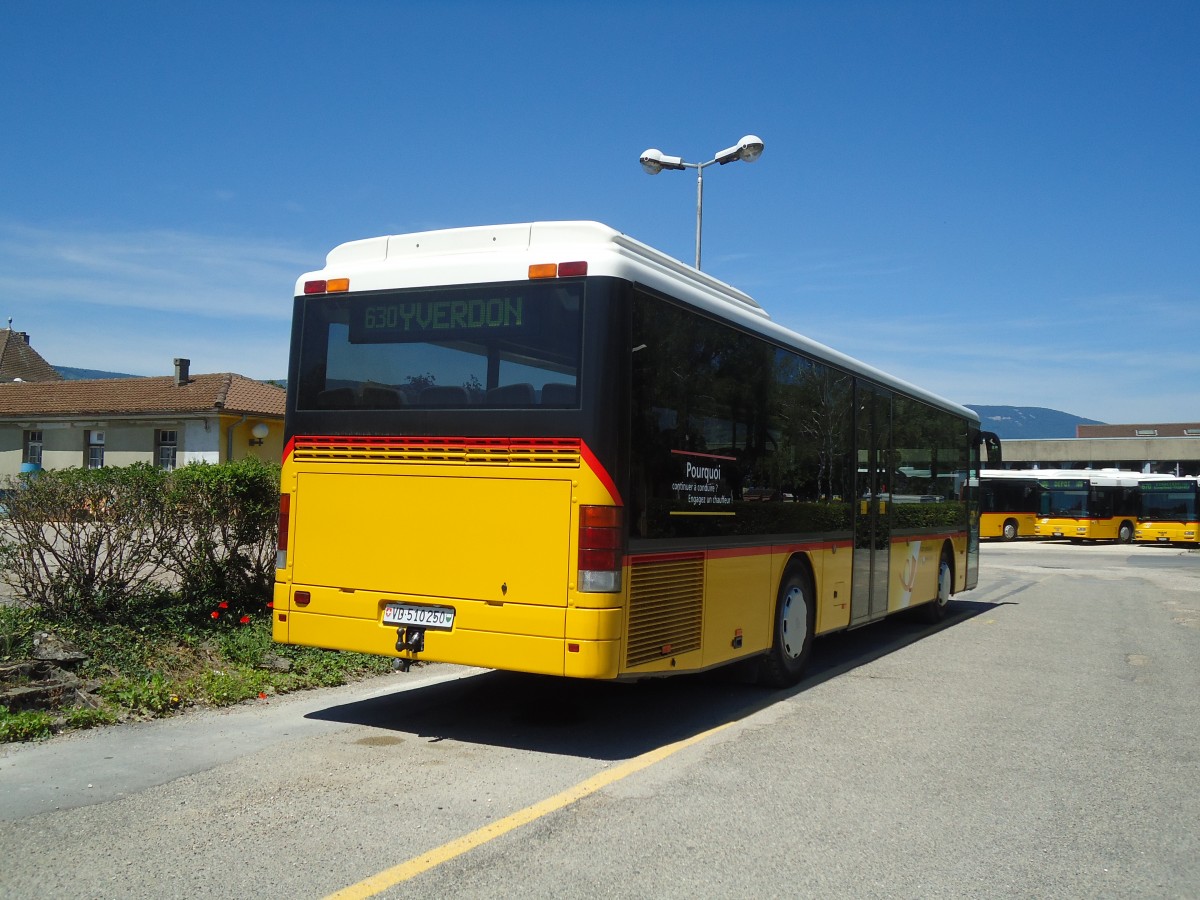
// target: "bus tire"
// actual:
[[795, 619], [1009, 532], [1125, 533], [935, 609]]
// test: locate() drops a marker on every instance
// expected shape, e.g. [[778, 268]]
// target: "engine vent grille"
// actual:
[[666, 607], [560, 452]]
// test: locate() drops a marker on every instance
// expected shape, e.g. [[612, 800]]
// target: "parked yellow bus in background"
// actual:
[[1090, 505], [550, 448], [1009, 500], [1167, 511]]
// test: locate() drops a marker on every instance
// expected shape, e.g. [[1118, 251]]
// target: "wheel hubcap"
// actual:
[[794, 622]]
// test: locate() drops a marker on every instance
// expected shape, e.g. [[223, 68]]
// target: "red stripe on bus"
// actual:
[[813, 545], [413, 442], [702, 455], [426, 440], [678, 556], [733, 552], [590, 460]]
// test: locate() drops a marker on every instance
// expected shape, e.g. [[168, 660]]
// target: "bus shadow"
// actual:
[[615, 721]]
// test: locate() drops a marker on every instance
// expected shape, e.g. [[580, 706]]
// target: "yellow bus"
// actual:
[[1090, 505], [1009, 500], [1167, 511], [550, 448]]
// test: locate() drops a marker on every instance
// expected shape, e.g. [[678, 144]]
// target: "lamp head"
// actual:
[[747, 149], [653, 161]]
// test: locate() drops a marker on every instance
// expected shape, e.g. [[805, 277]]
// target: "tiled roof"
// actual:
[[20, 361], [221, 392]]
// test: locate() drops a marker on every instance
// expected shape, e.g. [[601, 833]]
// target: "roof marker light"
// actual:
[[567, 269], [543, 270], [331, 286]]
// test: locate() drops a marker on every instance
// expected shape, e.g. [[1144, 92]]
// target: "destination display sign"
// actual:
[[482, 314], [1066, 484], [1165, 487], [411, 320]]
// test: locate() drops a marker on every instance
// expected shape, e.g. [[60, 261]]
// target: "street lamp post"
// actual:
[[747, 149]]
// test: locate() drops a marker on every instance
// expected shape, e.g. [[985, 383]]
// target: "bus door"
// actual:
[[872, 508]]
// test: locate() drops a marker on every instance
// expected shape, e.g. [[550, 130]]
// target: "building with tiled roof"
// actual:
[[168, 420], [20, 362]]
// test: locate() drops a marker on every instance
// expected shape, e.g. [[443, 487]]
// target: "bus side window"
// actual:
[[381, 398], [511, 395], [337, 398], [557, 393], [445, 395]]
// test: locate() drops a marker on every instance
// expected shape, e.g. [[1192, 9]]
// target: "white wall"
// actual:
[[64, 445]]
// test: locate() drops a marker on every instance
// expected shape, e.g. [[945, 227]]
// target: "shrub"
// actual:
[[224, 688], [28, 725], [224, 520], [153, 695], [135, 544], [89, 717], [82, 542], [17, 627]]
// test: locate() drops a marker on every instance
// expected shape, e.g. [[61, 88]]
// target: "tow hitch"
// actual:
[[412, 639]]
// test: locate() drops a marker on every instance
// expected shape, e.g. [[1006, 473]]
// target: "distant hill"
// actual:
[[1015, 423], [71, 374], [80, 374]]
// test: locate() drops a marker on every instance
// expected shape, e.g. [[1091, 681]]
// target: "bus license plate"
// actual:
[[439, 618]]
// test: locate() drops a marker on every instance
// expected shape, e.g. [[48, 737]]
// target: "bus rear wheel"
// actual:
[[935, 610], [795, 618], [1010, 530], [1125, 533]]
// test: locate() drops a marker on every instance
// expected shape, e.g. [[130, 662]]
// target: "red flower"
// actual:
[[215, 614], [270, 604], [224, 604], [244, 620]]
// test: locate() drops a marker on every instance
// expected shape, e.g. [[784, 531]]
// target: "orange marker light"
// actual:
[[543, 270], [337, 285]]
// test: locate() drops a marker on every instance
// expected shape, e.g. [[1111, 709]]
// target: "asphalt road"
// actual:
[[1041, 743]]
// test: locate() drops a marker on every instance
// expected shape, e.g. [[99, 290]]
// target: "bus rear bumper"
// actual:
[[545, 640]]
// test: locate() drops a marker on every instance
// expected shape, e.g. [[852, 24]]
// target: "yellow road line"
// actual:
[[369, 887]]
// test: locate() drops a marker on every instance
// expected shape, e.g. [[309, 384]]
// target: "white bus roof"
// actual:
[[489, 253], [1109, 477]]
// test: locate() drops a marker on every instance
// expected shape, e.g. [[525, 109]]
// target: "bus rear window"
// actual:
[[503, 346]]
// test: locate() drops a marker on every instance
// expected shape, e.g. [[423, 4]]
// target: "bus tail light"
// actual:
[[285, 507], [601, 546]]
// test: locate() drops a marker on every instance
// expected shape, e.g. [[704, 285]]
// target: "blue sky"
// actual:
[[997, 201]]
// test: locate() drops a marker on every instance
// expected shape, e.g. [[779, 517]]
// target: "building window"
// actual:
[[94, 455], [166, 448], [31, 448]]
